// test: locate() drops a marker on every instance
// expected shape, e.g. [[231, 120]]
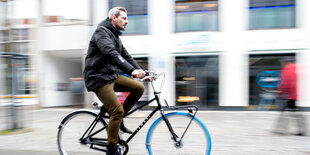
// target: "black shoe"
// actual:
[[113, 150], [124, 129], [300, 134], [103, 110]]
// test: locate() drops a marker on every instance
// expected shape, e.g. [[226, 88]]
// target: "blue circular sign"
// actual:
[[268, 79]]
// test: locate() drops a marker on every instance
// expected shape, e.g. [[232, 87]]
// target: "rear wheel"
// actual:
[[72, 129]]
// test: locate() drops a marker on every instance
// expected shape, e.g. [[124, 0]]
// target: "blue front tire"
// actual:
[[196, 141]]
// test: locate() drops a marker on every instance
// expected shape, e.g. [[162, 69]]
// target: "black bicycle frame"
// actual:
[[158, 108], [88, 133]]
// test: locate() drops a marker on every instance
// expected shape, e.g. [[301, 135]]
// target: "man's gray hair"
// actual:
[[116, 11]]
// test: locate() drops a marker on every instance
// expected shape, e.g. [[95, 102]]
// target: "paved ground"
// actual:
[[233, 133]]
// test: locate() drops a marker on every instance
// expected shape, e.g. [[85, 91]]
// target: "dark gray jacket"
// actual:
[[105, 57]]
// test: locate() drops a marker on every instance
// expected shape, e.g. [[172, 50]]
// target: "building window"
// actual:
[[20, 41], [197, 81], [5, 76], [266, 14], [17, 77], [196, 15], [3, 13], [20, 47], [4, 36], [4, 41], [20, 34], [137, 15], [265, 77]]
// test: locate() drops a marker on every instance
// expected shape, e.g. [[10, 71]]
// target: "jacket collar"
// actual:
[[107, 23]]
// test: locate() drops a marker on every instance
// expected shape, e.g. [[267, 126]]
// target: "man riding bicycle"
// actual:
[[106, 57]]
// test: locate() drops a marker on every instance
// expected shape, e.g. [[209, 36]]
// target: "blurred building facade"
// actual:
[[215, 53]]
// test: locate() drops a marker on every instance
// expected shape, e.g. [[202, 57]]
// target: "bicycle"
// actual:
[[175, 132]]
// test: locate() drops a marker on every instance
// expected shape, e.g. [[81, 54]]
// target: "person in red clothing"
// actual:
[[288, 92], [288, 88]]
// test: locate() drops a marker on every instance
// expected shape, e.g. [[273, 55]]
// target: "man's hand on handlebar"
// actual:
[[138, 73]]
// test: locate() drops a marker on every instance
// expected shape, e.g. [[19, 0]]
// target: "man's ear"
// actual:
[[113, 17]]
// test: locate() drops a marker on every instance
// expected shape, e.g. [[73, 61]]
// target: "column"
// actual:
[[39, 57], [303, 57], [233, 16], [161, 26]]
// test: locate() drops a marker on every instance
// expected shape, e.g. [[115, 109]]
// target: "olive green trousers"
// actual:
[[107, 96]]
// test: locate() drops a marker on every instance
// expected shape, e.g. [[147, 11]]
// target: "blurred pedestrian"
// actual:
[[267, 98], [106, 57], [76, 88], [287, 92], [76, 85]]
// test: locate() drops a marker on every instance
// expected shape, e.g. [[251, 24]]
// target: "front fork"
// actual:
[[174, 136], [192, 110]]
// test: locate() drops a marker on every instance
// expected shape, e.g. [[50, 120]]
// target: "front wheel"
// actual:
[[196, 140]]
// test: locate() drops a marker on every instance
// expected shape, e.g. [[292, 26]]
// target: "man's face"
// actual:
[[121, 21]]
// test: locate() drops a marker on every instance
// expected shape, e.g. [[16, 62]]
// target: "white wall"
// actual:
[[57, 70], [64, 37]]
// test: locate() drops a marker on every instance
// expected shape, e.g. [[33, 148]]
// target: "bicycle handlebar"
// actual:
[[151, 76]]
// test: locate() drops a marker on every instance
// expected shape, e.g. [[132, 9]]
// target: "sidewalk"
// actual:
[[233, 133]]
